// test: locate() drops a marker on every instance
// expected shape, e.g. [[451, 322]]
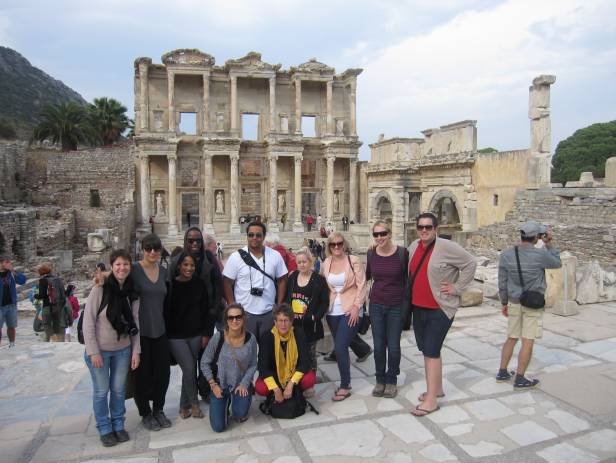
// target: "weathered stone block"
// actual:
[[471, 297], [610, 173], [96, 242]]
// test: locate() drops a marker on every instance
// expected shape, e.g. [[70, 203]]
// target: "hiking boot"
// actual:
[[109, 440], [122, 436], [331, 357], [364, 357], [504, 375], [162, 419], [150, 423], [378, 390], [523, 383], [391, 391]]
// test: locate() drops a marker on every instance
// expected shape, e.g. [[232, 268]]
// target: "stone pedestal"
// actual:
[[610, 173], [561, 287]]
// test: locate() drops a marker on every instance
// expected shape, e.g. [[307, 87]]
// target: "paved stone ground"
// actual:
[[45, 406]]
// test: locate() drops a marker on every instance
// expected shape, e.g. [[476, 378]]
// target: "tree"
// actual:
[[585, 151], [65, 124], [108, 119], [488, 150]]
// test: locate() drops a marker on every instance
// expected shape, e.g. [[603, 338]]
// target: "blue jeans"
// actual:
[[109, 380], [343, 334], [240, 406], [386, 322], [8, 314]]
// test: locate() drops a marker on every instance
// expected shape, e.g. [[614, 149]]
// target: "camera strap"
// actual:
[[248, 260]]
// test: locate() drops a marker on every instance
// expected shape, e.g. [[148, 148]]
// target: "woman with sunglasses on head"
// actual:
[[152, 379], [386, 267], [346, 279], [188, 328], [229, 364]]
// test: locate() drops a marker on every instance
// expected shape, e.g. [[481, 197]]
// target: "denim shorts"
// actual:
[[8, 314], [431, 327]]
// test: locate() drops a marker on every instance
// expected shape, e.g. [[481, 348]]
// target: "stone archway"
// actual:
[[444, 205], [383, 209]]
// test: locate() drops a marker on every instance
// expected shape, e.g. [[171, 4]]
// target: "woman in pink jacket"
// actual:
[[346, 279]]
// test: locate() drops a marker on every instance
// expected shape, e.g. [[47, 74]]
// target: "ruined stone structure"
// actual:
[[300, 158]]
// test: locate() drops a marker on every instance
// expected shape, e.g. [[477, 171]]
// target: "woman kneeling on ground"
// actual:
[[232, 353], [284, 361], [112, 311]]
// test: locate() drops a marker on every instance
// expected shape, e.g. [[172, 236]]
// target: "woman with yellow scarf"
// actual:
[[284, 361]]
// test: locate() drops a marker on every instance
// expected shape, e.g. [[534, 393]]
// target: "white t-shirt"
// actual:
[[337, 282], [246, 277]]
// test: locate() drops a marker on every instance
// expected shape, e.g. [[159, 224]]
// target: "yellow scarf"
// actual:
[[285, 365]]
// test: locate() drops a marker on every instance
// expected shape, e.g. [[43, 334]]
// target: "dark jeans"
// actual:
[[431, 327], [152, 379], [386, 322], [186, 352], [240, 406], [343, 334], [359, 347]]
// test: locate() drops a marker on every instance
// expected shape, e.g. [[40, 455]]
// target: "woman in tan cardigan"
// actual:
[[346, 279]]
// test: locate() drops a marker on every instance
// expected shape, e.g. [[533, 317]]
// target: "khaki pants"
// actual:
[[524, 322]]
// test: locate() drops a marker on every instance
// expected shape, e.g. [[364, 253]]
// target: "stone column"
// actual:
[[353, 190], [143, 97], [272, 104], [540, 132], [298, 105], [273, 212], [170, 93], [206, 102], [298, 225], [352, 108], [329, 191], [208, 200], [144, 184], [172, 199], [330, 116], [234, 226], [233, 105]]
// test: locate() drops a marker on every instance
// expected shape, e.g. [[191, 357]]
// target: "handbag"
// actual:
[[364, 323], [528, 298], [287, 409], [130, 385]]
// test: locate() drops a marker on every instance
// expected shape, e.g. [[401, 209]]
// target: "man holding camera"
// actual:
[[256, 277], [521, 278]]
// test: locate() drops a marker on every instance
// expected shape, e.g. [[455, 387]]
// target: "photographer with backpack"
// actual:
[[57, 316]]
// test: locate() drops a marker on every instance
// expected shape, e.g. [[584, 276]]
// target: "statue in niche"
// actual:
[[220, 119], [282, 202], [340, 127], [220, 202], [158, 120], [160, 208], [284, 124], [336, 201]]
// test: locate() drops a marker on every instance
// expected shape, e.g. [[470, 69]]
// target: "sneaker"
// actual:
[[391, 391], [364, 357], [378, 390], [162, 419], [504, 375], [109, 440], [122, 436], [150, 423], [331, 357], [11, 345], [523, 383]]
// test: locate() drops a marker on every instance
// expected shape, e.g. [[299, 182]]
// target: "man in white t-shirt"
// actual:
[[258, 286]]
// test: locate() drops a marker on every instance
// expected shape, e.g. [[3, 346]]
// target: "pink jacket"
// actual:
[[353, 293]]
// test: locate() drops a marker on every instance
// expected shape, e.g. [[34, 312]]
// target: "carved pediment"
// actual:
[[188, 57], [313, 66], [251, 62]]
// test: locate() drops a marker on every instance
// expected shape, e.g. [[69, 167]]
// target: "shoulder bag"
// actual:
[[530, 299]]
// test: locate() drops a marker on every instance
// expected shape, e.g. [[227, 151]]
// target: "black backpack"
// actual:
[[289, 408]]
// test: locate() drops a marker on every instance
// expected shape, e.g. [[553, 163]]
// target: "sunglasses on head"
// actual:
[[236, 318], [194, 240], [151, 248], [425, 227], [381, 233], [255, 235], [338, 244]]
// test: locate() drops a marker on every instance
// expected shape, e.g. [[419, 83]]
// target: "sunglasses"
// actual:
[[194, 240], [338, 244], [255, 235], [236, 318], [377, 234], [425, 227], [151, 249]]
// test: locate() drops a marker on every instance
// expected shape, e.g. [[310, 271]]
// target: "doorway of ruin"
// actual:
[[309, 203], [250, 199], [190, 210], [384, 209], [445, 206]]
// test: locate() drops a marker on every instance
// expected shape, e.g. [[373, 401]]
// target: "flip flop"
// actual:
[[340, 397], [423, 410], [420, 398]]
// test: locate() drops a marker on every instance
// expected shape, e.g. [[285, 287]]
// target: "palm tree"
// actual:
[[108, 119], [65, 124]]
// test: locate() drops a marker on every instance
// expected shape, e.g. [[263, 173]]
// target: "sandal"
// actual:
[[196, 412], [422, 396], [337, 397], [419, 412], [185, 413]]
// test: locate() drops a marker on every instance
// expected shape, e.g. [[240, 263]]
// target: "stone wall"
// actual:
[[17, 237], [583, 221], [12, 168]]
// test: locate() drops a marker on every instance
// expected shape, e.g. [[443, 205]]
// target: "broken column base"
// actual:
[[565, 308]]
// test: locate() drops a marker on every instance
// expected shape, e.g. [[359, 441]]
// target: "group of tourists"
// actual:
[[256, 316]]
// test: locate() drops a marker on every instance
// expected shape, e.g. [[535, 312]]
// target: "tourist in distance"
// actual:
[[284, 361], [387, 268], [109, 348], [229, 368], [272, 240], [9, 279], [256, 277], [188, 328], [74, 306], [308, 296], [152, 378], [439, 271], [346, 279], [56, 315], [523, 321]]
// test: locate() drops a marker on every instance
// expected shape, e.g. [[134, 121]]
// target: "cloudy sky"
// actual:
[[426, 62]]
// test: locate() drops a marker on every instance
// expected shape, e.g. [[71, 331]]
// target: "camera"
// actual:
[[256, 291]]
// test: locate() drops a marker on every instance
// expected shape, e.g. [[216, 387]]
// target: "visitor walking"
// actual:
[[74, 306], [9, 279], [56, 315]]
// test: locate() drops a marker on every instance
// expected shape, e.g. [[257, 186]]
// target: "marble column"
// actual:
[[272, 104], [143, 97], [353, 190], [170, 94], [234, 226], [144, 184], [330, 188], [330, 116], [208, 200], [206, 102], [298, 105], [172, 196], [298, 226], [233, 105], [273, 212], [353, 108]]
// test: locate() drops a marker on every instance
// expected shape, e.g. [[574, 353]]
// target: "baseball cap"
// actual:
[[532, 228]]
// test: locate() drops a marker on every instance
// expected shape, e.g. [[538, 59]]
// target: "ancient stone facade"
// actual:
[[12, 168], [299, 158]]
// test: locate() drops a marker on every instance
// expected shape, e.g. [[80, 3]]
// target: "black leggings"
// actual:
[[152, 379]]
